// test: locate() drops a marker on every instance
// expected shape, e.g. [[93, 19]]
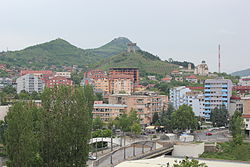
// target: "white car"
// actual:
[[91, 157]]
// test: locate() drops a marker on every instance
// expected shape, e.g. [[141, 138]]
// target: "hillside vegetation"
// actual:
[[146, 62], [242, 73]]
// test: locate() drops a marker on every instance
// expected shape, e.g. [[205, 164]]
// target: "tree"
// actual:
[[236, 127], [184, 118], [125, 121], [219, 116], [97, 123], [136, 128], [23, 95], [155, 118], [22, 141], [165, 119], [66, 126], [188, 163]]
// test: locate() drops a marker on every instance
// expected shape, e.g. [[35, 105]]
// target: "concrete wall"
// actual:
[[3, 111], [190, 150]]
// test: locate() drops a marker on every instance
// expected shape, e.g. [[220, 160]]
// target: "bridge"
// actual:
[[137, 150]]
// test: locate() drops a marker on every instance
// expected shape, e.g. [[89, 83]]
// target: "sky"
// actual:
[[185, 30]]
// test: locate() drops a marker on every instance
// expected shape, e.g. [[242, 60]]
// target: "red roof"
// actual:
[[191, 77], [241, 88], [166, 79], [234, 97], [246, 116], [175, 71], [246, 79]]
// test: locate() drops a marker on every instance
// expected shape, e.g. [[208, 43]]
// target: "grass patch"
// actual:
[[229, 151]]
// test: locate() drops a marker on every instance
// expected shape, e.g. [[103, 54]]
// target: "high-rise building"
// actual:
[[29, 83], [57, 81], [121, 84], [217, 93], [134, 72]]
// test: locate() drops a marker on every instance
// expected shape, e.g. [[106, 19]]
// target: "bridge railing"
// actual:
[[119, 155]]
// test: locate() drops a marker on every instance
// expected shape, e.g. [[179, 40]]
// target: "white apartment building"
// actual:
[[29, 83], [195, 99], [217, 93], [63, 74], [178, 96]]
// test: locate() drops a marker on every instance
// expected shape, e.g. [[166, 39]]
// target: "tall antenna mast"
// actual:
[[219, 58]]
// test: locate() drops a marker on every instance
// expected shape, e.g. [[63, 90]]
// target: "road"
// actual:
[[217, 136]]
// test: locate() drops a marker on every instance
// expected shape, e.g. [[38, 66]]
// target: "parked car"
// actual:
[[209, 134], [91, 157]]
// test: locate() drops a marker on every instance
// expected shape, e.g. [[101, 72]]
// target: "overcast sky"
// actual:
[[180, 29]]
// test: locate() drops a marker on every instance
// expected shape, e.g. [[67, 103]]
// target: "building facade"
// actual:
[[178, 96], [108, 111], [29, 83], [57, 81], [217, 93], [246, 114], [195, 99], [63, 74], [121, 84], [145, 103], [201, 69], [244, 81], [134, 72]]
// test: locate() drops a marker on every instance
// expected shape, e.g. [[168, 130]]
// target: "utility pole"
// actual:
[[219, 59]]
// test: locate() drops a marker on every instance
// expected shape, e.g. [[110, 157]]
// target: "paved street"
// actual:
[[217, 136]]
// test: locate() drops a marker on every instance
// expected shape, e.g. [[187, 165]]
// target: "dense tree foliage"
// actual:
[[128, 122], [184, 118], [219, 116], [56, 134], [155, 118], [97, 123], [236, 127]]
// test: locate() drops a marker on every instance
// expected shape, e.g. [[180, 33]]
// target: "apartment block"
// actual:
[[178, 96], [57, 81], [145, 103], [236, 104], [29, 83], [217, 93], [108, 111], [245, 81], [195, 99], [121, 83], [134, 72], [246, 114]]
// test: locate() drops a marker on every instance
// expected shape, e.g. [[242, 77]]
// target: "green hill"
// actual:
[[116, 46], [61, 53], [242, 73], [57, 52], [147, 63]]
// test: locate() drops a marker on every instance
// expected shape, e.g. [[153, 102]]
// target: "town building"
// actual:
[[134, 72], [145, 103], [98, 79], [246, 114], [121, 83], [195, 99], [236, 104], [152, 78], [5, 81], [217, 93], [244, 81], [40, 74], [192, 79], [178, 96], [108, 111], [29, 83], [166, 79], [57, 81], [242, 90], [63, 74], [201, 69]]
